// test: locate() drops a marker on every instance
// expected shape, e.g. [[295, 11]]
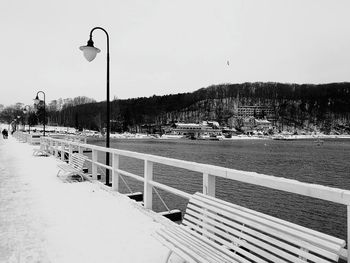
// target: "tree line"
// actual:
[[294, 103]]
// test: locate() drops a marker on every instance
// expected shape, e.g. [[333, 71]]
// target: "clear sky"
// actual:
[[166, 47]]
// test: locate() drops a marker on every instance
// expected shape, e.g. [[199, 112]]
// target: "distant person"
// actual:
[[5, 133]]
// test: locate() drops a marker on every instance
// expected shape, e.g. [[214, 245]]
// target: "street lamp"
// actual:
[[14, 126], [25, 111], [18, 122], [90, 53], [36, 102]]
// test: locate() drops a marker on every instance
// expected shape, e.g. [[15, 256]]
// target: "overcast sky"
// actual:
[[166, 47]]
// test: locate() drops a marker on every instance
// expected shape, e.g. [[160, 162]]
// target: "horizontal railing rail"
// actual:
[[288, 185], [209, 173]]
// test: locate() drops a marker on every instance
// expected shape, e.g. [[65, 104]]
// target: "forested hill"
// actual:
[[326, 106]]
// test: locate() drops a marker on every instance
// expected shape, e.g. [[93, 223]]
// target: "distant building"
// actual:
[[250, 125], [150, 128], [195, 129], [256, 111], [263, 125]]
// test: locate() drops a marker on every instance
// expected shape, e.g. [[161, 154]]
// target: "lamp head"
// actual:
[[89, 50], [26, 109], [36, 100]]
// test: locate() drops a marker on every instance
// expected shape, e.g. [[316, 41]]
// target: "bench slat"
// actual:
[[79, 158], [75, 165], [237, 240], [216, 231], [297, 237], [261, 218], [236, 249], [312, 232], [190, 236], [194, 236], [251, 242], [272, 229], [253, 236], [196, 245], [183, 246], [180, 250]]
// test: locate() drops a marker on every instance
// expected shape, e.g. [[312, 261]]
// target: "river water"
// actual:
[[303, 160]]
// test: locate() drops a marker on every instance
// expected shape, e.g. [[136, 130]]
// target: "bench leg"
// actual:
[[169, 254], [178, 258], [70, 174], [82, 177]]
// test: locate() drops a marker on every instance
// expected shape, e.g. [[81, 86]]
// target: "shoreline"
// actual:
[[238, 137]]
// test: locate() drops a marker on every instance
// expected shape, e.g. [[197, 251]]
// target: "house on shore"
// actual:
[[195, 130]]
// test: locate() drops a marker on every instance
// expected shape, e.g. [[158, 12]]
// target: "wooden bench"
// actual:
[[34, 139], [217, 231], [41, 151], [74, 167]]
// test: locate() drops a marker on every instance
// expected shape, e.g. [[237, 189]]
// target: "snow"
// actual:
[[44, 219]]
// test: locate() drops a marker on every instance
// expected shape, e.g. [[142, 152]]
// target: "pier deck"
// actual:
[[43, 219]]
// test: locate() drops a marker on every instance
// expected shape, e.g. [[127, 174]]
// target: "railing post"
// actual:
[[62, 151], [48, 141], [209, 184], [51, 147], [56, 149], [43, 144], [147, 192], [80, 150], [115, 175], [94, 165], [70, 153]]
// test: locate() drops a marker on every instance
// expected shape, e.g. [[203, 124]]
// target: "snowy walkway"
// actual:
[[43, 219]]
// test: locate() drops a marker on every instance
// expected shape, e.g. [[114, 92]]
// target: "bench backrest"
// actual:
[[34, 139], [77, 161], [256, 236]]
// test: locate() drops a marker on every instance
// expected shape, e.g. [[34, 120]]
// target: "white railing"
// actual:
[[34, 137], [31, 138], [69, 137], [209, 174]]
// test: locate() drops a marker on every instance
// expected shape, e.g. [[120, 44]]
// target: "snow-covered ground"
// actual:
[[43, 219]]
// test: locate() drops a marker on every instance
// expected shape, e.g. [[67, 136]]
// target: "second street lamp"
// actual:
[[37, 101], [18, 123], [25, 111], [90, 53]]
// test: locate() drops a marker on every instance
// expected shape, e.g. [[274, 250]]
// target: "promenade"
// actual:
[[44, 219]]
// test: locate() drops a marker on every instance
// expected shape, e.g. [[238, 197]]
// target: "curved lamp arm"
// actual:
[[90, 51], [37, 100]]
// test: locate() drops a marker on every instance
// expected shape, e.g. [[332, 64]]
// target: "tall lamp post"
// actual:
[[18, 122], [36, 102], [14, 126], [90, 53], [25, 111]]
